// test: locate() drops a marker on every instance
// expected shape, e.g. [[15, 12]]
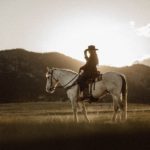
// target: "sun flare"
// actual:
[[70, 26], [115, 43]]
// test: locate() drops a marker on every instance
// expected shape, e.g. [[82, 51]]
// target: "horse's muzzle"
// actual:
[[51, 90]]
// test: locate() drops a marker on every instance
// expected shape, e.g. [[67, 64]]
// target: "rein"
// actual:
[[69, 82], [52, 87], [64, 86]]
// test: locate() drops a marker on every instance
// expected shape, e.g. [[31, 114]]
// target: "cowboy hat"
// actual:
[[91, 47]]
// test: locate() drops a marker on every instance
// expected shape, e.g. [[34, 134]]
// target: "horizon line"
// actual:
[[135, 62]]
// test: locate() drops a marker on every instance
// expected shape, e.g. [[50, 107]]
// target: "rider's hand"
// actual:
[[81, 71]]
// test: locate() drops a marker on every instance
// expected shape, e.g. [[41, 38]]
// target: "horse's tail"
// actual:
[[124, 92]]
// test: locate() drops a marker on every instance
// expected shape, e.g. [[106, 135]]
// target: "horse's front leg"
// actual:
[[72, 95], [84, 111], [74, 108]]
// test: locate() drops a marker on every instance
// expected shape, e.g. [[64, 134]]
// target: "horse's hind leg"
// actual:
[[123, 111], [84, 111], [116, 107], [115, 113], [121, 108]]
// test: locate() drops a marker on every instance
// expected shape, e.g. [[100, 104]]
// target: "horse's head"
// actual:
[[52, 82]]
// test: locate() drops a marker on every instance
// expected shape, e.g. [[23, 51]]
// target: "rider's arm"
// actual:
[[85, 55]]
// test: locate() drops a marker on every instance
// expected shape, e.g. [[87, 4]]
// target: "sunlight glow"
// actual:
[[115, 43], [69, 26]]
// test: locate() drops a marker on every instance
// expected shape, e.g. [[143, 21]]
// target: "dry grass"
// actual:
[[28, 122]]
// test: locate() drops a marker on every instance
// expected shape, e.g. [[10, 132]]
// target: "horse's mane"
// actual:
[[67, 70]]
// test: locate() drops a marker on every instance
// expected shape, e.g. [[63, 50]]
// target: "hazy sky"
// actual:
[[120, 29]]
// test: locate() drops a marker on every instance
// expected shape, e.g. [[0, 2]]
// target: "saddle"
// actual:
[[90, 83]]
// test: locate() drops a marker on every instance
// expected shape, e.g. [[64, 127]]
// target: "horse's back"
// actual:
[[111, 75], [112, 80]]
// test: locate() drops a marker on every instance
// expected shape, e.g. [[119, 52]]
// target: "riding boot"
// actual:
[[86, 93]]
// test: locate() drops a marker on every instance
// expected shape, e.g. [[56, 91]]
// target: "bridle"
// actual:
[[52, 87]]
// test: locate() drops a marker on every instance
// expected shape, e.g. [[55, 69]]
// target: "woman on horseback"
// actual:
[[89, 70]]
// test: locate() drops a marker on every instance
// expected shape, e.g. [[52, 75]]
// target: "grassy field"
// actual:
[[47, 125]]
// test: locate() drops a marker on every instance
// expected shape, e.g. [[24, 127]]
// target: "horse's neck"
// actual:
[[64, 76]]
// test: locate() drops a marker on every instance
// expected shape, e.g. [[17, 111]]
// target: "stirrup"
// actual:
[[93, 99]]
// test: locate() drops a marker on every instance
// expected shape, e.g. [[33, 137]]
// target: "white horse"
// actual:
[[113, 83]]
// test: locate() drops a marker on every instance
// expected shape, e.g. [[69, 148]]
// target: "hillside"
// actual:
[[22, 76], [145, 61]]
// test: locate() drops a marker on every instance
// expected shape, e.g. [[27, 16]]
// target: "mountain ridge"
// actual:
[[24, 72], [145, 61]]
